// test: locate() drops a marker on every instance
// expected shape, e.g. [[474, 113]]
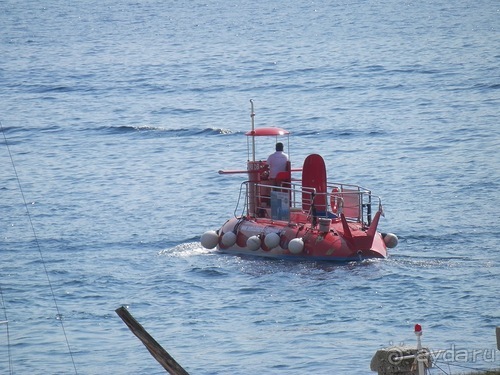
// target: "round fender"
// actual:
[[390, 239], [253, 243], [272, 240], [209, 239], [228, 239], [296, 245]]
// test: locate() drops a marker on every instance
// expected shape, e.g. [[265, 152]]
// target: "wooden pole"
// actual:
[[498, 337], [150, 343]]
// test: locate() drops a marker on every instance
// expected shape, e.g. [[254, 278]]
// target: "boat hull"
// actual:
[[251, 236]]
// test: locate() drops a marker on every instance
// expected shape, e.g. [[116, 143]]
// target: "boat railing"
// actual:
[[292, 202], [243, 199], [357, 202]]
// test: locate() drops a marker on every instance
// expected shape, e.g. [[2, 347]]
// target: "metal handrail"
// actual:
[[353, 200]]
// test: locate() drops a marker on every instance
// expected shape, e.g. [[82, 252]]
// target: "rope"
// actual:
[[11, 370], [59, 315], [476, 370], [442, 370]]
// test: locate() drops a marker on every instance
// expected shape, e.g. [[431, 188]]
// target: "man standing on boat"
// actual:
[[277, 161]]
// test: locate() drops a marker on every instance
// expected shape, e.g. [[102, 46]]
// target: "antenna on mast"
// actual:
[[252, 115]]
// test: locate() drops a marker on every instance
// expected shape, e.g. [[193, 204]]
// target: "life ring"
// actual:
[[335, 200]]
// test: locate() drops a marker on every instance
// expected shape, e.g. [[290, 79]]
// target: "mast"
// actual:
[[252, 115]]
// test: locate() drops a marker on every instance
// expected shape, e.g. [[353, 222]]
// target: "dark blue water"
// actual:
[[118, 116]]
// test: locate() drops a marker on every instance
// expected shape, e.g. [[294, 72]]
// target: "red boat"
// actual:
[[300, 217]]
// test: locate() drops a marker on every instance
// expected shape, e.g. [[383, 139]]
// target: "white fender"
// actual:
[[253, 243], [209, 239], [390, 239], [272, 240], [228, 239], [296, 245]]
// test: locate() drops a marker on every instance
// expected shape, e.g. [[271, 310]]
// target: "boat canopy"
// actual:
[[271, 131]]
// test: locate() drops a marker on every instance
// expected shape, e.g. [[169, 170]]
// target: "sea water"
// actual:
[[116, 117]]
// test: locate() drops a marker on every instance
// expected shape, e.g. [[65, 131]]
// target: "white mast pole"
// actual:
[[252, 115]]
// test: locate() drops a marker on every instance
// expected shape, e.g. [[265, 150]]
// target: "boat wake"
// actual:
[[185, 250]]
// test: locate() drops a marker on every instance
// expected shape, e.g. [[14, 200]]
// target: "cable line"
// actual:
[[59, 315]]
